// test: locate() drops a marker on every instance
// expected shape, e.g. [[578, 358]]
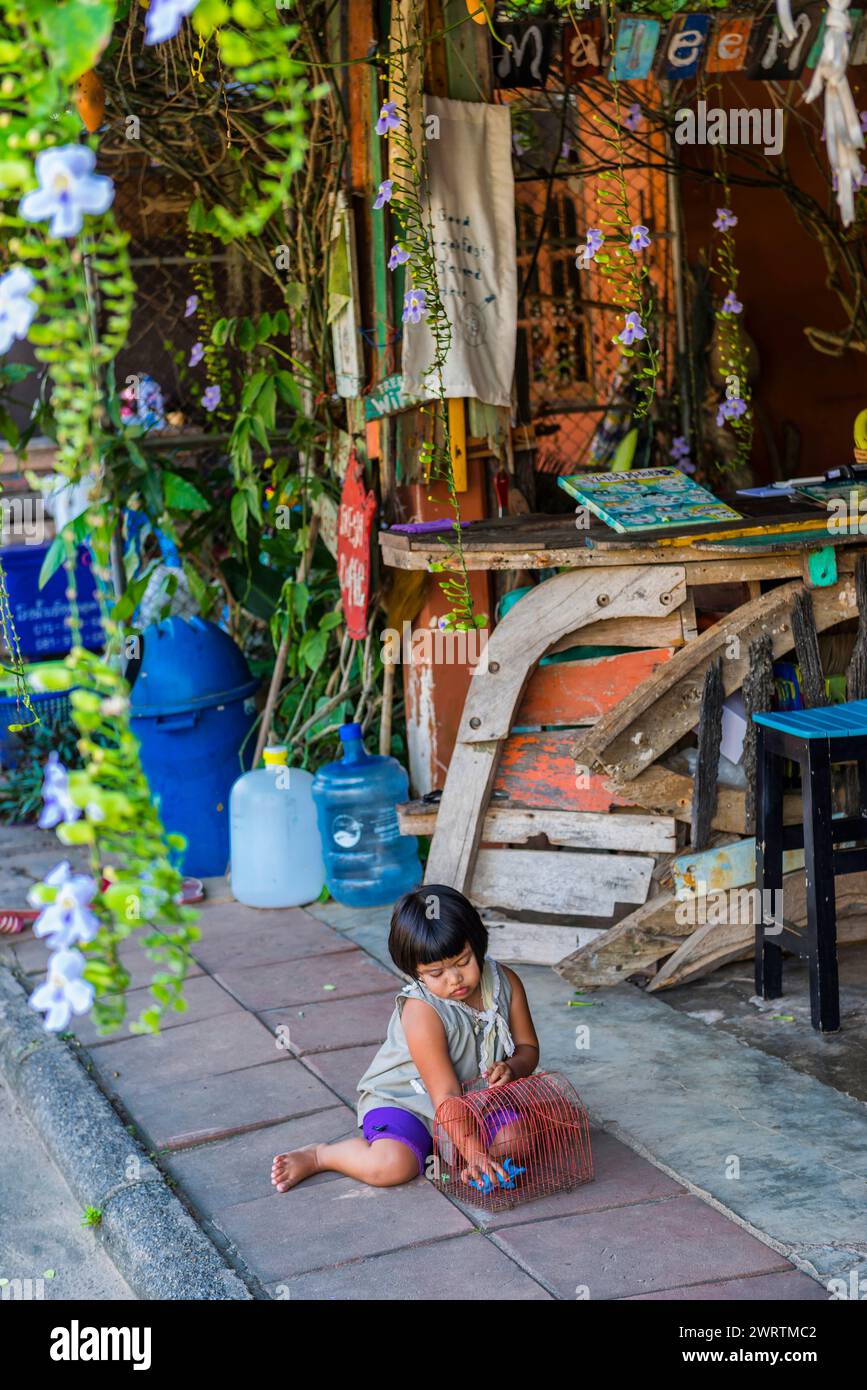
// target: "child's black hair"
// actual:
[[434, 922]]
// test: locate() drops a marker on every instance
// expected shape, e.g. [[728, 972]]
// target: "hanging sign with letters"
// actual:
[[354, 522]]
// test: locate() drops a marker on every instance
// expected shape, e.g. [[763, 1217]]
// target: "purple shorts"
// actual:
[[390, 1122]]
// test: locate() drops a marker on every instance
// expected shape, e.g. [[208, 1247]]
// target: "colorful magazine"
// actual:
[[647, 498]]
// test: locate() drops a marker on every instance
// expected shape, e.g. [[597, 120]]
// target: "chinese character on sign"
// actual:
[[355, 519]]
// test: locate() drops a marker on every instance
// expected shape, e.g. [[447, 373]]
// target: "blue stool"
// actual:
[[816, 739]]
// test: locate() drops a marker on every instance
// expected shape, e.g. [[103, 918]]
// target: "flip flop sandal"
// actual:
[[14, 921]]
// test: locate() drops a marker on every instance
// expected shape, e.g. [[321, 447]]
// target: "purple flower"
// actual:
[[566, 149], [192, 305], [725, 220], [196, 355], [164, 18], [388, 118], [640, 239], [64, 992], [57, 803], [67, 918], [398, 256], [520, 143], [679, 447], [68, 188], [730, 409], [16, 307], [586, 254], [211, 398], [414, 306], [632, 330], [383, 195], [731, 304], [632, 120], [680, 454]]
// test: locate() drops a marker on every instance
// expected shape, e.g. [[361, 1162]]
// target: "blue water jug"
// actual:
[[368, 863]]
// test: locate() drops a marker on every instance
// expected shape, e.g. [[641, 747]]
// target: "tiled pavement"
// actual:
[[284, 1013]]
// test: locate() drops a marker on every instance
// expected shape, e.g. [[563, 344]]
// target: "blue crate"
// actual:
[[40, 615], [48, 704]]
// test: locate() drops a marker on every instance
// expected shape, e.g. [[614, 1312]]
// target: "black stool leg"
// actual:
[[862, 788], [769, 864], [821, 900]]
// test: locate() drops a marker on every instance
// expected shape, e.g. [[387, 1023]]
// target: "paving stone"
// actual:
[[622, 1178], [344, 918], [238, 1170], [18, 872], [361, 1022], [312, 1226], [296, 982], [204, 997], [788, 1286], [234, 936], [342, 1069], [216, 1106], [430, 1272], [226, 1043], [637, 1249]]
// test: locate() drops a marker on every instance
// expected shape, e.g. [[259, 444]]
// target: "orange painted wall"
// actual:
[[782, 288]]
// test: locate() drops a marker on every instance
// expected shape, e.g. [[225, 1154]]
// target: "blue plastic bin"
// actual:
[[192, 708], [40, 615]]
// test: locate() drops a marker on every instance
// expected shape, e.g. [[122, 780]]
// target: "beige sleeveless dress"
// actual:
[[476, 1040]]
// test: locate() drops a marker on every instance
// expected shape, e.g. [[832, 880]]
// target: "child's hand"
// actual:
[[499, 1073], [479, 1164]]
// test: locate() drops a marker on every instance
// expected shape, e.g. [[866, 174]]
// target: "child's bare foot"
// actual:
[[291, 1168]]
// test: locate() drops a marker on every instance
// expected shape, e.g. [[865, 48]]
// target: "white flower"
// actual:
[[164, 18], [67, 919], [64, 993], [68, 188], [16, 307]]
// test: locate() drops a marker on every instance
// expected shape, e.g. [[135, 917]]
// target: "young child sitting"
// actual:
[[463, 1016]]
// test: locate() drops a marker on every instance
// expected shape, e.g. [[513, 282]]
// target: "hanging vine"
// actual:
[[406, 192]]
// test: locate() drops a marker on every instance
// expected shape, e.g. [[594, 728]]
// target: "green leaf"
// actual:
[[181, 495], [290, 392], [266, 404], [246, 336], [312, 649], [75, 33], [220, 332], [330, 621], [239, 515], [54, 557], [252, 389]]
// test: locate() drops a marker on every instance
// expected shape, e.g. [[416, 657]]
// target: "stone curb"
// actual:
[[156, 1245]]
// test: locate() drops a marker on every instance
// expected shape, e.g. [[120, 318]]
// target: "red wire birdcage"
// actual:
[[535, 1128]]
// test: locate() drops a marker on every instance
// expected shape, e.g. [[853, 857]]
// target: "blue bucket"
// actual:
[[192, 711]]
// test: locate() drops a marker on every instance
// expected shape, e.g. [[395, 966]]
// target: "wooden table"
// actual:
[[572, 751]]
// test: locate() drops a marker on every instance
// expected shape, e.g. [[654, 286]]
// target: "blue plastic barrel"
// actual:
[[368, 863], [192, 709]]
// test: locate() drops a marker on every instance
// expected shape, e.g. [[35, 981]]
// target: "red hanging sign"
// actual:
[[354, 522]]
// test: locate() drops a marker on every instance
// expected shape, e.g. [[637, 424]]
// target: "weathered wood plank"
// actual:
[[554, 610], [628, 739], [528, 943], [726, 866], [532, 944], [572, 829], [580, 692], [551, 612], [627, 632], [662, 792], [539, 770], [653, 932], [577, 884]]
